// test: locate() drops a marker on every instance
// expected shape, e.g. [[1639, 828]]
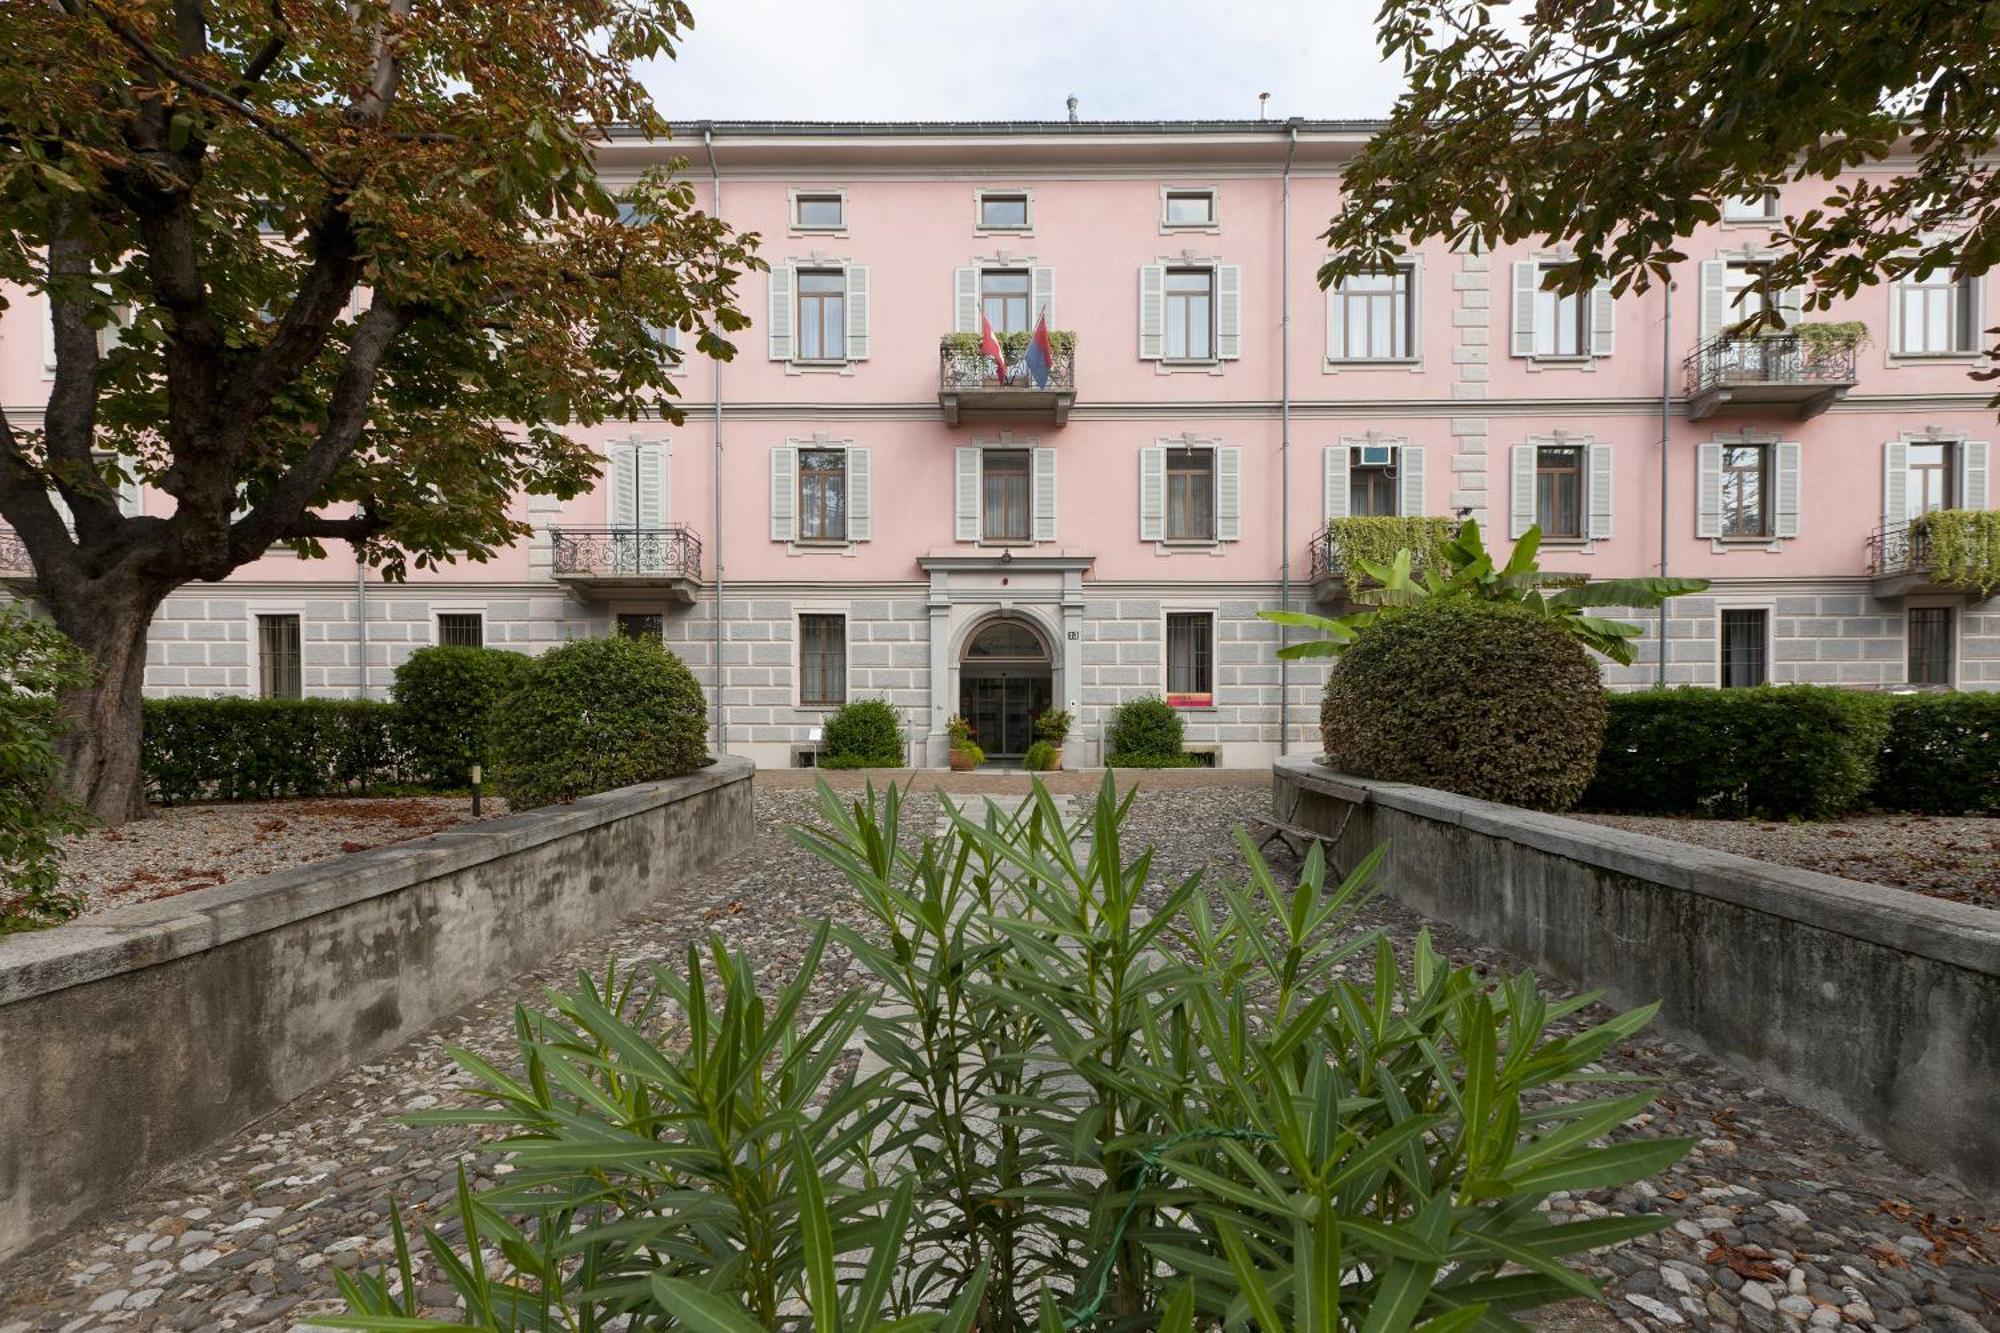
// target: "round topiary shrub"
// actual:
[[594, 715], [1481, 700], [445, 697], [1040, 758], [866, 733], [1146, 728]]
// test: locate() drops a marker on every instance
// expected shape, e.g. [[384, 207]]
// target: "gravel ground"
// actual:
[[189, 847], [1942, 856], [1781, 1220]]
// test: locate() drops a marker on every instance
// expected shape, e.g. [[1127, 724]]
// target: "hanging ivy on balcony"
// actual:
[[1015, 344], [1823, 336], [1375, 540], [1962, 547]]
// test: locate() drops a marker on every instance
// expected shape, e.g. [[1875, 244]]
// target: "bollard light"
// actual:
[[477, 773]]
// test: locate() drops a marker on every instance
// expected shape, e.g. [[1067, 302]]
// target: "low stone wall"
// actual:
[[1876, 1006], [130, 1039]]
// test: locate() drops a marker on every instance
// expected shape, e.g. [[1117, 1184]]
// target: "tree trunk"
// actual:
[[100, 746]]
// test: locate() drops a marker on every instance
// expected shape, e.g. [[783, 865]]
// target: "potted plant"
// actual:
[[964, 754], [1053, 727]]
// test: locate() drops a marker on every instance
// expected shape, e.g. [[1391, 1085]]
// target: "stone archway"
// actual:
[[1006, 676]]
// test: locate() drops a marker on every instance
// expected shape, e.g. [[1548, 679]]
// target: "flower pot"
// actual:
[[963, 761], [1055, 760]]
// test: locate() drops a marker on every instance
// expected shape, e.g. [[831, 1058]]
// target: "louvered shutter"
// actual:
[[48, 334], [1336, 325], [129, 503], [1785, 519], [1152, 311], [860, 503], [1334, 473], [1708, 490], [1410, 479], [1600, 491], [1526, 274], [966, 495], [1603, 320], [779, 315], [1041, 295], [1229, 311], [1413, 342], [1521, 494], [784, 493], [857, 312], [1791, 303], [1972, 474], [621, 509], [965, 300], [1152, 494], [1715, 313], [652, 486], [1045, 494], [1228, 494], [1895, 484]]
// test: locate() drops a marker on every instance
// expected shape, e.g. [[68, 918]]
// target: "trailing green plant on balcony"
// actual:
[[1961, 547], [1820, 337], [1015, 345], [1358, 542]]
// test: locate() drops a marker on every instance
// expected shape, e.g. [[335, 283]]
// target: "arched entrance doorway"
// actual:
[[1005, 678]]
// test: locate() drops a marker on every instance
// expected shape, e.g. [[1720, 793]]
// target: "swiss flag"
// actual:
[[990, 346]]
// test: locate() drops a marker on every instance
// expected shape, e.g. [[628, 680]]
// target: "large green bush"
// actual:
[[1942, 755], [1780, 751], [231, 749], [594, 715], [863, 733], [1472, 697], [1147, 728], [447, 695], [36, 663]]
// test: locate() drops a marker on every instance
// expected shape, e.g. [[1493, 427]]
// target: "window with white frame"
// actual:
[[1187, 208], [1373, 316], [1190, 492], [1937, 314], [817, 316], [1190, 313], [1555, 326], [1745, 487], [1005, 493], [822, 315], [1190, 495], [1003, 210], [1559, 490], [822, 495], [1006, 500], [1562, 322], [1745, 633], [1372, 482], [1751, 207], [1004, 295], [1190, 658], [1190, 326], [461, 629], [819, 210]]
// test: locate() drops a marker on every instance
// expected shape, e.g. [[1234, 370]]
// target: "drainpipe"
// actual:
[[361, 613], [1285, 435], [721, 714], [1666, 412]]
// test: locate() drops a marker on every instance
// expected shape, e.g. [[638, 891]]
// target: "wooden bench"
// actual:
[[1297, 837]]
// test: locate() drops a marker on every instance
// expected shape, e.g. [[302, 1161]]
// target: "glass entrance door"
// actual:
[[1002, 710]]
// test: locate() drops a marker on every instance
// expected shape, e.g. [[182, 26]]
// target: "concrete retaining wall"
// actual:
[[1876, 1006], [131, 1039]]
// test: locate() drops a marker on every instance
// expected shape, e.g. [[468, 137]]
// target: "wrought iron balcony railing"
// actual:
[[1787, 358], [962, 369], [14, 554], [673, 551], [1899, 548]]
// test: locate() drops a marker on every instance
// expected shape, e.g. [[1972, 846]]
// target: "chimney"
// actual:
[[1072, 108]]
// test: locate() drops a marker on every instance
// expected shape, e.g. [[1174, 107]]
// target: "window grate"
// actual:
[[280, 668]]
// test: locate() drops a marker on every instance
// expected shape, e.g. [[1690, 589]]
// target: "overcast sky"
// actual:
[[1018, 59]]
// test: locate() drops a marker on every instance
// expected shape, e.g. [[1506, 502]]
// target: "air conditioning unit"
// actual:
[[1376, 455]]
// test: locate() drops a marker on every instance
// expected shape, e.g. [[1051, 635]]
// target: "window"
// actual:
[[819, 212], [461, 629], [823, 495], [1003, 298], [1190, 208], [1930, 469], [1190, 658], [1190, 495], [1930, 645], [1744, 635], [1751, 207], [1746, 492], [1006, 513], [279, 674], [642, 625], [1562, 321], [1936, 315], [822, 315], [822, 661], [1559, 490], [1003, 212], [1741, 297], [1374, 317], [1371, 480], [1190, 311]]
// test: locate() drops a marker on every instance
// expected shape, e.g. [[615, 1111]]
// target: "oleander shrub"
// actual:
[[1143, 729], [863, 733], [595, 715], [230, 749], [1472, 697], [1040, 758], [1777, 751], [37, 662], [447, 694], [1942, 755]]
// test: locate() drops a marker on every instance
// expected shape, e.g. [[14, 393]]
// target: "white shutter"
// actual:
[[1600, 491], [1335, 475], [1603, 320], [129, 503], [1521, 495], [1229, 311], [1410, 478], [779, 317], [1715, 313], [860, 506], [1336, 325], [784, 493], [1414, 347], [1228, 494], [1786, 519], [1973, 292], [857, 312], [1708, 490], [1895, 484], [1041, 295], [652, 486], [1152, 494], [1152, 311], [48, 332], [1527, 274], [1045, 494], [1972, 474], [1791, 305], [965, 300], [621, 508], [966, 491]]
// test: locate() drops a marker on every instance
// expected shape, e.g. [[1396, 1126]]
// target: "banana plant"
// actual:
[[1466, 571]]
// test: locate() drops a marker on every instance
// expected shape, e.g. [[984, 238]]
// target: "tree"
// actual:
[[323, 272], [1619, 127]]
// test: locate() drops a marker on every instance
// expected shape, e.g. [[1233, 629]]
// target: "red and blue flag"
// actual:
[[1041, 357], [989, 346]]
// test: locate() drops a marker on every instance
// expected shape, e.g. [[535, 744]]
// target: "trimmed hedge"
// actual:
[[259, 749], [1778, 751], [1470, 697], [865, 733], [1942, 755], [1145, 728], [447, 696]]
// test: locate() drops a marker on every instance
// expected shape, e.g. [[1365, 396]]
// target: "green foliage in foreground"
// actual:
[[1077, 1111], [1961, 547], [864, 733], [1942, 755], [447, 694], [234, 749], [1146, 728], [36, 663]]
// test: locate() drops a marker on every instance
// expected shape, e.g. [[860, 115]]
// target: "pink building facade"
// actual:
[[855, 506]]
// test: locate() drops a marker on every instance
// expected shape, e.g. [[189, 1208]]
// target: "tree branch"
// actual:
[[70, 415], [387, 72]]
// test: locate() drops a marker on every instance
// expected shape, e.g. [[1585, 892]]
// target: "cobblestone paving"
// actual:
[[1781, 1220]]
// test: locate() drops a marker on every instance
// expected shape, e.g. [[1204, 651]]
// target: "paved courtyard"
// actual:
[[1781, 1220]]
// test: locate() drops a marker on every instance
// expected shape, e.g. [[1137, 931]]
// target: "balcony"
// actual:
[[17, 571], [1948, 551], [601, 561], [1345, 542], [969, 387], [1785, 375]]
